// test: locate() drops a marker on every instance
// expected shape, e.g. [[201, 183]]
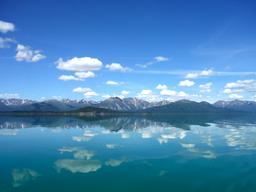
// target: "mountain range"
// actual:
[[125, 105]]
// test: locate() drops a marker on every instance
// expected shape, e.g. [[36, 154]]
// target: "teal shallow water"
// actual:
[[160, 153]]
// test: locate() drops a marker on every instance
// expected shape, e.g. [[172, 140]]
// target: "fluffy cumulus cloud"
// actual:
[[235, 96], [161, 87], [242, 84], [125, 93], [88, 92], [186, 83], [68, 78], [161, 58], [106, 96], [167, 92], [113, 83], [6, 27], [182, 94], [233, 89], [9, 95], [79, 64], [146, 92], [172, 93], [204, 73], [79, 76], [85, 75], [5, 42], [206, 88], [148, 95], [25, 53], [117, 67], [156, 59]]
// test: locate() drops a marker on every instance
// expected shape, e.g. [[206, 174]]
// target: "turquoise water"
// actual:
[[153, 153]]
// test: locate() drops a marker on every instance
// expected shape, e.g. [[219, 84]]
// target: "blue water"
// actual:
[[148, 153]]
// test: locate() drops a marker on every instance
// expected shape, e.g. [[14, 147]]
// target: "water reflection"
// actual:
[[78, 153], [78, 166], [113, 123], [96, 148], [21, 176]]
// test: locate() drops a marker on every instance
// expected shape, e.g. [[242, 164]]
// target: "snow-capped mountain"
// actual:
[[117, 104], [237, 105], [126, 104], [17, 102]]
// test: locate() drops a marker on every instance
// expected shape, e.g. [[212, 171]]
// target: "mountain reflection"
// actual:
[[117, 123], [197, 135], [40, 147]]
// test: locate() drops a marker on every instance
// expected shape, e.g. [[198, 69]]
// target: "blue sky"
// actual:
[[198, 50]]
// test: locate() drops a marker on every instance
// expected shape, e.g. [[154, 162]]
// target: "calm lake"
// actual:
[[199, 153]]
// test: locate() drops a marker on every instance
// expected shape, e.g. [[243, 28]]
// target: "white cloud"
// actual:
[[5, 42], [88, 92], [206, 88], [182, 94], [106, 96], [235, 96], [85, 75], [79, 76], [172, 93], [242, 84], [161, 58], [79, 64], [113, 83], [186, 83], [117, 67], [192, 75], [146, 92], [81, 89], [156, 59], [161, 87], [167, 92], [148, 95], [9, 95], [204, 73], [6, 27], [239, 86], [25, 53], [232, 91], [68, 78], [125, 93]]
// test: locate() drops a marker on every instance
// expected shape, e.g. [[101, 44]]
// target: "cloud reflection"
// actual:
[[22, 176], [78, 153], [78, 166]]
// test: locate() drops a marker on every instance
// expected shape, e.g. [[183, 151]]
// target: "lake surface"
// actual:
[[196, 153]]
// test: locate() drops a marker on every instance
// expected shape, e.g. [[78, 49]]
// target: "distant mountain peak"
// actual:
[[125, 104]]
